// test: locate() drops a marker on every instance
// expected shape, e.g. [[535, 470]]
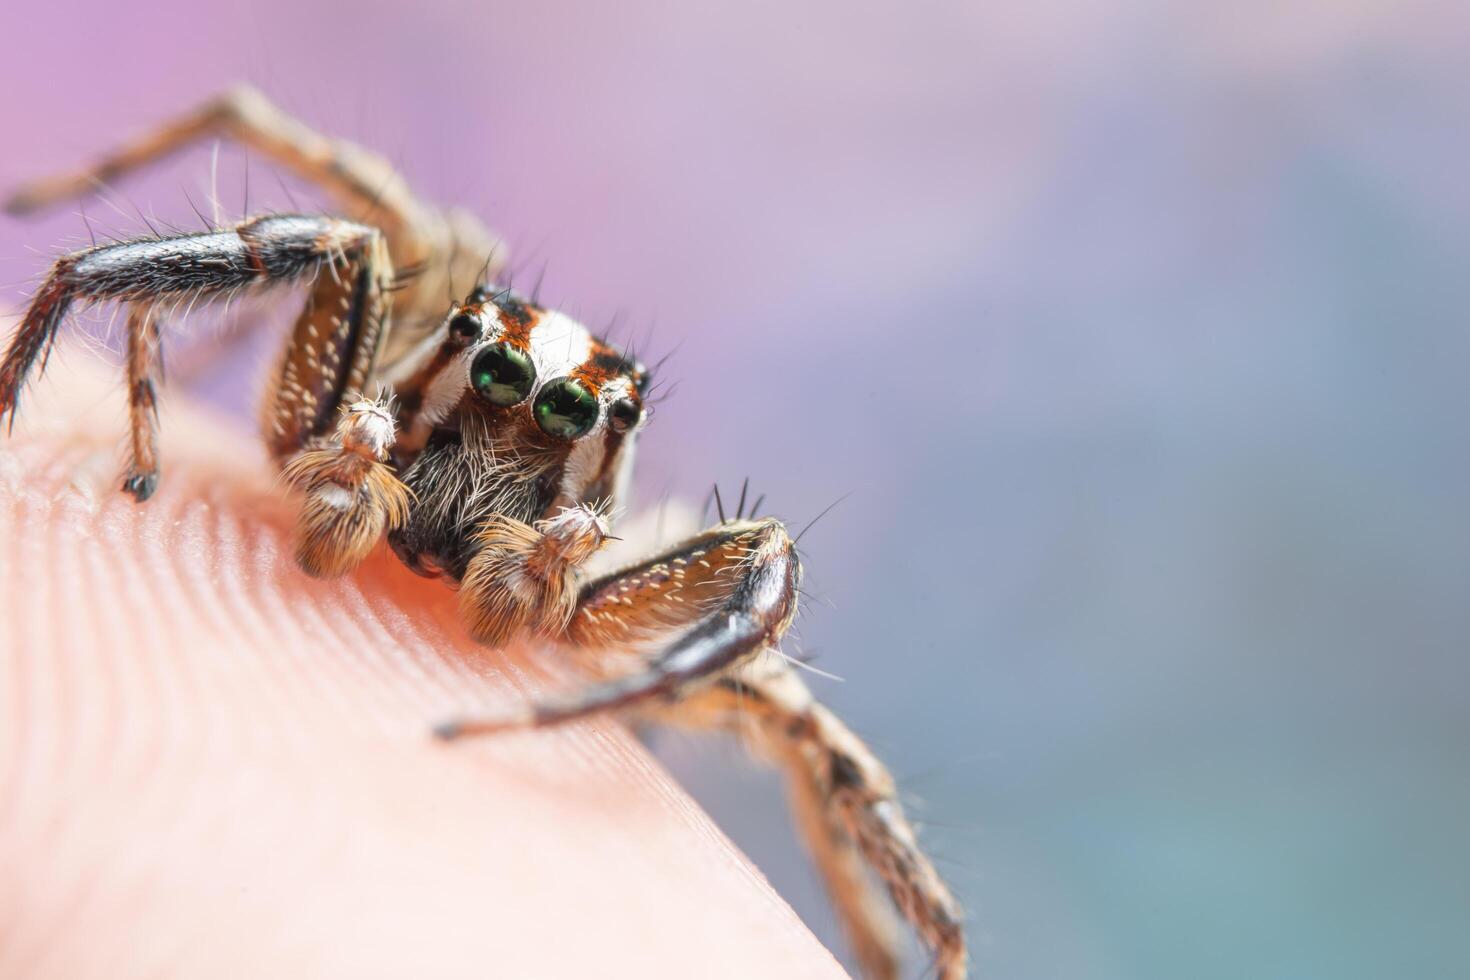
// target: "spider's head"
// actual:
[[523, 413]]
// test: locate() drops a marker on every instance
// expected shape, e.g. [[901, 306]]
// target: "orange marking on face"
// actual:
[[517, 319]]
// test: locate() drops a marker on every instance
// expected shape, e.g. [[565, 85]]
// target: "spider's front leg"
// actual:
[[699, 615], [715, 600], [331, 351]]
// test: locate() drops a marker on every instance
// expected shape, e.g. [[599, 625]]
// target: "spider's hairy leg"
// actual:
[[706, 604], [142, 475], [335, 343], [524, 577], [352, 496], [332, 348], [356, 178], [846, 807], [359, 181]]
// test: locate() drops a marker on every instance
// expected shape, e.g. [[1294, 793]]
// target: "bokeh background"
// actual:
[[1136, 332]]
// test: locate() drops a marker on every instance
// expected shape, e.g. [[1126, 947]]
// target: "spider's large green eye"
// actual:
[[566, 409], [502, 375]]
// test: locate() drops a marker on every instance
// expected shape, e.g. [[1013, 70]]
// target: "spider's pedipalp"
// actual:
[[352, 496], [524, 576]]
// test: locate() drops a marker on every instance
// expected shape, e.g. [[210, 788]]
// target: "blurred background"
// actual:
[[1134, 330]]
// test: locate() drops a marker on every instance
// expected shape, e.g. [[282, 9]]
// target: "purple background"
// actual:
[[1135, 330]]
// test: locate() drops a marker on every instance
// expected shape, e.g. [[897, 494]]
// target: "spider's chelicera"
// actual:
[[506, 443]]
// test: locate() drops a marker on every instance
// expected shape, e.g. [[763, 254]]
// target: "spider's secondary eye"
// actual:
[[502, 375], [566, 409], [623, 415], [464, 329]]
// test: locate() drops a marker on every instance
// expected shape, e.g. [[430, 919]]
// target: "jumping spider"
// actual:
[[493, 465]]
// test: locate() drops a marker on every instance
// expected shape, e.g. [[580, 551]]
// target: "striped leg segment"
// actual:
[[142, 476], [329, 355], [846, 807], [335, 342], [722, 596]]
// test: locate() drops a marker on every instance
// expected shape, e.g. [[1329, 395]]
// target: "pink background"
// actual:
[[1136, 331]]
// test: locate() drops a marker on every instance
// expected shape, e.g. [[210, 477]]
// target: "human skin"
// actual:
[[214, 765]]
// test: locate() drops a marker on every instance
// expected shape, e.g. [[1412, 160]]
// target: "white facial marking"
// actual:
[[447, 387], [623, 472], [559, 345]]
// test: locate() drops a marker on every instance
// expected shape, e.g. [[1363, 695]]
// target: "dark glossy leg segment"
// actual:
[[722, 596], [331, 351]]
